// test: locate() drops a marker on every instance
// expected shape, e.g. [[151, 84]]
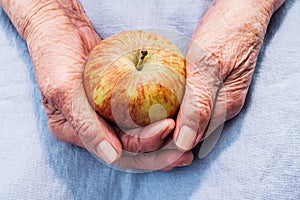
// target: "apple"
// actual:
[[135, 78]]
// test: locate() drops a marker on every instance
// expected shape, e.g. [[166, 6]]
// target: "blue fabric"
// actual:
[[257, 156]]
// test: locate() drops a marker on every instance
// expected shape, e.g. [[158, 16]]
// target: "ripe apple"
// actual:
[[135, 78]]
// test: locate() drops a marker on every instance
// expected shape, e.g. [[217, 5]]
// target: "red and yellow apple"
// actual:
[[135, 78]]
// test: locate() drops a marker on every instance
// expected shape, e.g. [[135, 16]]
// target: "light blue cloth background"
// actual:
[[257, 156]]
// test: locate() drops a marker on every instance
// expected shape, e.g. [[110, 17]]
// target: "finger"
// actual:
[[229, 102], [215, 126], [64, 131], [146, 139], [202, 85], [218, 113], [158, 160], [72, 137], [96, 135], [59, 126]]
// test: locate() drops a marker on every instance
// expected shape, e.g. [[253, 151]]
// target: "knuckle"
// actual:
[[197, 111], [54, 90], [132, 144], [49, 107], [86, 130], [83, 128], [204, 113], [207, 66]]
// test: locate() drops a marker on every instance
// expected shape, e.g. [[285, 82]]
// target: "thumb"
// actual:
[[202, 85], [96, 135]]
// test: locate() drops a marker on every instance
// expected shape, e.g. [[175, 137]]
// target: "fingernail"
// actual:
[[186, 138], [185, 163], [106, 151]]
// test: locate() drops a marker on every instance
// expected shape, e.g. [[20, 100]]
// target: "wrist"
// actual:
[[22, 12], [268, 7], [32, 17]]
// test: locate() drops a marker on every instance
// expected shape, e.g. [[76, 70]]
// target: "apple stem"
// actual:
[[141, 58]]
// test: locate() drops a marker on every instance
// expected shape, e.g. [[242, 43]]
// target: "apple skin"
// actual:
[[135, 78]]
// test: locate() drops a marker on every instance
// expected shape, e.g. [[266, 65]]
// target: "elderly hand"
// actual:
[[59, 37], [220, 62]]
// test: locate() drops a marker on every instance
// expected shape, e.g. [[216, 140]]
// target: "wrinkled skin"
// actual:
[[220, 62], [59, 38], [221, 59]]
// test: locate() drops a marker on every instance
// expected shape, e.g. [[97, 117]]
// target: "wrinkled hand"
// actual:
[[59, 37], [221, 58]]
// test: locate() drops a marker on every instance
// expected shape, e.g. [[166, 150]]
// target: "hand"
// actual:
[[220, 62], [59, 38]]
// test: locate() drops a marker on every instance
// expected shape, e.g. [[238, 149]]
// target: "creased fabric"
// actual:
[[257, 156]]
